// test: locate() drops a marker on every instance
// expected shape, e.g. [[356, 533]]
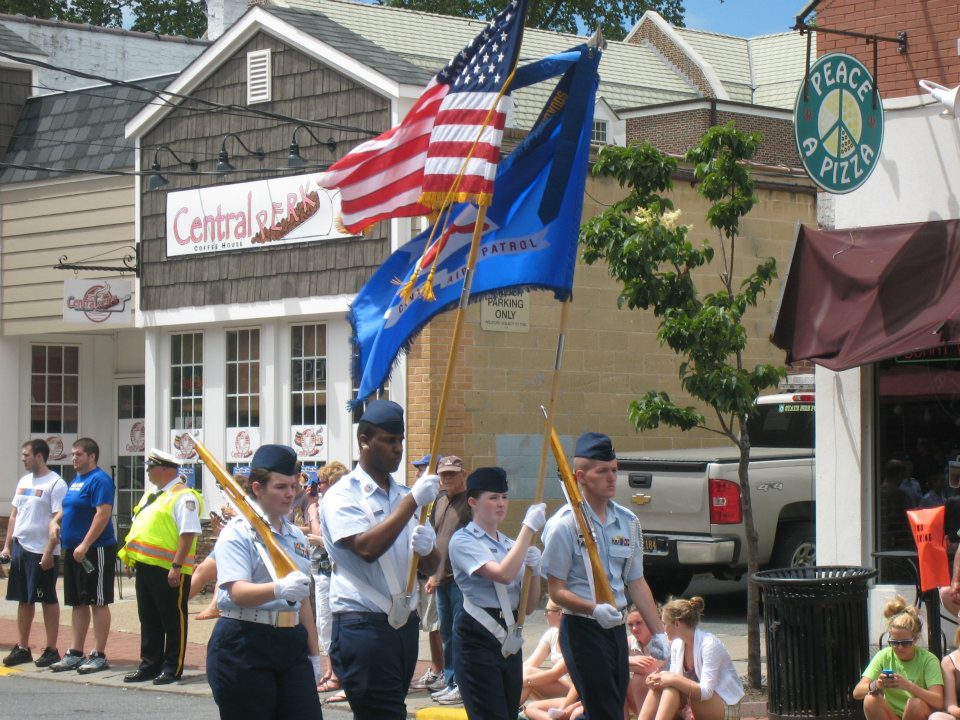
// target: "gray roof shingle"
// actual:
[[80, 129], [11, 42]]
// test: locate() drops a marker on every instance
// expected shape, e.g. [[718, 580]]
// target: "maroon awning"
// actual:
[[853, 297]]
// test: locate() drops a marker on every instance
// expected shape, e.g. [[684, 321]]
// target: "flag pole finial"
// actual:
[[597, 40]]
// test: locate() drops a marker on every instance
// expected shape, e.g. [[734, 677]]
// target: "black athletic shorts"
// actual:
[[28, 582], [93, 588]]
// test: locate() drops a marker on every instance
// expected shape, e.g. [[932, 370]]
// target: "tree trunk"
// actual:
[[753, 563]]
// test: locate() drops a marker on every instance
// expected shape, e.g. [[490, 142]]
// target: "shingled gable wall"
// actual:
[[302, 87]]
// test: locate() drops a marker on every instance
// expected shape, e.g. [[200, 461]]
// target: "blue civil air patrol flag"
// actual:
[[529, 235]]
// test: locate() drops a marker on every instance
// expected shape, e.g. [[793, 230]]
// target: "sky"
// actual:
[[745, 18]]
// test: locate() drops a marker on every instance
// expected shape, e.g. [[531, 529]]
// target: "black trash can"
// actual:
[[817, 640]]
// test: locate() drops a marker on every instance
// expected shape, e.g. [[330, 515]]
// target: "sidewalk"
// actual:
[[123, 652]]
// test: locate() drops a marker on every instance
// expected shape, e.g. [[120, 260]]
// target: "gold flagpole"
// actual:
[[448, 377], [548, 428]]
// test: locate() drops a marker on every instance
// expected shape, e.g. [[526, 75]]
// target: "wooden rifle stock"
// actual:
[[282, 563], [578, 506]]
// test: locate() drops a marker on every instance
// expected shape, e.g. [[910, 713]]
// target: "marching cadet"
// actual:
[[161, 547], [369, 527], [263, 658], [488, 567], [592, 639]]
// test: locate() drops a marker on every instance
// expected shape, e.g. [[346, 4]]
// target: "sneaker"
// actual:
[[427, 681], [18, 656], [71, 661], [48, 658], [451, 698], [442, 691], [95, 663]]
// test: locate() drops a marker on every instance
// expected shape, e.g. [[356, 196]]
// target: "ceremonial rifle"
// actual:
[[282, 563], [579, 507]]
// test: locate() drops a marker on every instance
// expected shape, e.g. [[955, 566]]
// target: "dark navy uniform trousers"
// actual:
[[374, 662], [261, 672], [597, 662], [489, 683]]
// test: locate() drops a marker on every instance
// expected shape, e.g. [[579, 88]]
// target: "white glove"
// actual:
[[536, 517], [532, 560], [317, 670], [292, 588], [607, 615], [659, 647], [422, 539], [425, 489]]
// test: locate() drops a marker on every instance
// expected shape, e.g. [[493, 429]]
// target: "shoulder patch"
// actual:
[[191, 505]]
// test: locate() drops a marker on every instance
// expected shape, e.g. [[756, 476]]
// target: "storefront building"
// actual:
[[888, 412]]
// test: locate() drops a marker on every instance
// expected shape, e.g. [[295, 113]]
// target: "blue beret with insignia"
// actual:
[[275, 458], [385, 414], [487, 479], [594, 446]]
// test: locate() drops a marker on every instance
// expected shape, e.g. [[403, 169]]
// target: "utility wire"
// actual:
[[183, 110], [163, 96], [164, 171]]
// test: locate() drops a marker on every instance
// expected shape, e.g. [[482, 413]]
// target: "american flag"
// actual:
[[447, 147]]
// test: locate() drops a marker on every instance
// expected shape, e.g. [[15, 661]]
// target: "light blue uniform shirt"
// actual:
[[343, 515], [470, 549], [238, 559], [616, 542]]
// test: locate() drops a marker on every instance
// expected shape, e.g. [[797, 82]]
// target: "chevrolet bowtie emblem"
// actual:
[[641, 499]]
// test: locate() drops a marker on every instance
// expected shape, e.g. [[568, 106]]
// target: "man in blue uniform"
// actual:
[[369, 525], [592, 638]]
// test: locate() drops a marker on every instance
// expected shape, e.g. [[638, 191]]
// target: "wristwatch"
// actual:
[[176, 566]]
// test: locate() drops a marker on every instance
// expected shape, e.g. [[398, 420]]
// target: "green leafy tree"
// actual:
[[613, 16], [648, 251], [167, 17]]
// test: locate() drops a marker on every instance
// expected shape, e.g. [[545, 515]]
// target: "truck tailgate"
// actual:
[[666, 495]]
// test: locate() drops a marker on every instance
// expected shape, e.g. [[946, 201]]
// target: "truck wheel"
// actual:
[[796, 546], [665, 585]]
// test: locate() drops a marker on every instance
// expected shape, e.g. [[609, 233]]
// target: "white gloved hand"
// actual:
[[607, 615], [425, 489], [292, 588], [536, 517], [659, 647], [422, 539], [532, 560], [317, 670]]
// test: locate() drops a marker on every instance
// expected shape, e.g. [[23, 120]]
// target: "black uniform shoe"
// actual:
[[165, 678], [141, 675]]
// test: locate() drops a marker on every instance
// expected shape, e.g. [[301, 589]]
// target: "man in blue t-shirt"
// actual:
[[89, 557]]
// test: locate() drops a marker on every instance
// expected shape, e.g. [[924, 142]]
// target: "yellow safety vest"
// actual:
[[153, 536]]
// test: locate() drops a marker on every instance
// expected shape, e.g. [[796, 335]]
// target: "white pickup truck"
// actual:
[[688, 501]]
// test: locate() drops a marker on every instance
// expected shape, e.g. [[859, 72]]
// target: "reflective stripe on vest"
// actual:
[[153, 536]]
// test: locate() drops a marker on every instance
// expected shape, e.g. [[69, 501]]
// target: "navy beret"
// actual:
[[488, 479], [385, 414], [594, 446], [422, 462], [276, 458]]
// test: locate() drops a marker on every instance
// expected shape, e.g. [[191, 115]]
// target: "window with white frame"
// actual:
[[55, 401], [243, 395], [598, 135], [186, 381], [308, 375], [130, 449]]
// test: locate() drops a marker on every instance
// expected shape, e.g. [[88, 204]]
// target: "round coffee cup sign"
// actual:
[[839, 124]]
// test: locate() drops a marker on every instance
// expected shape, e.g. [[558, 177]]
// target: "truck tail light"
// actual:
[[725, 508], [808, 398]]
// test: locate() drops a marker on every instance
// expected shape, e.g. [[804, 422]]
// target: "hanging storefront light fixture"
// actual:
[[294, 159], [157, 180], [223, 161]]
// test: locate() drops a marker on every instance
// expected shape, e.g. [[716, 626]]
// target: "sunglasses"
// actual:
[[900, 643]]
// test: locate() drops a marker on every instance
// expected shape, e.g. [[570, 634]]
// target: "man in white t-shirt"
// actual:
[[33, 554]]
